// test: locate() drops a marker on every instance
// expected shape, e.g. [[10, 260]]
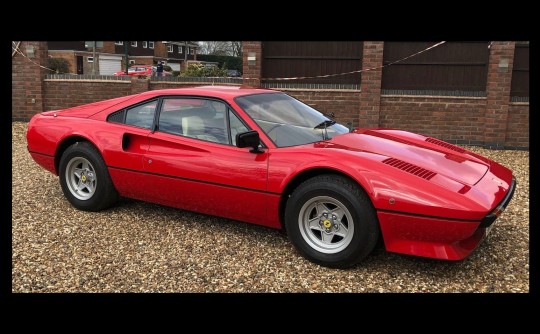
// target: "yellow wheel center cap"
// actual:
[[83, 178], [327, 224]]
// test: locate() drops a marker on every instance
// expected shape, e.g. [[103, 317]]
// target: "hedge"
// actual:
[[228, 62]]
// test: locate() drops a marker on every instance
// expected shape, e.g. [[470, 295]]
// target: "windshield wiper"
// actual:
[[325, 124]]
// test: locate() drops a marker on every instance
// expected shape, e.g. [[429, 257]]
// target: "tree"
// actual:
[[58, 65], [221, 48], [236, 48], [214, 48]]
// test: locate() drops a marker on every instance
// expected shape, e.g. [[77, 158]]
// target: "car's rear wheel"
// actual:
[[331, 221], [84, 178]]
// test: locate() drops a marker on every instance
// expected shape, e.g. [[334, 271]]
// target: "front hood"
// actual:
[[420, 155], [87, 110]]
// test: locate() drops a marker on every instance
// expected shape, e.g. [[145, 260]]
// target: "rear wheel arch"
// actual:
[[63, 146], [306, 175]]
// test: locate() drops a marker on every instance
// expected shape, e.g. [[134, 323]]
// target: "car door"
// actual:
[[195, 165], [127, 142]]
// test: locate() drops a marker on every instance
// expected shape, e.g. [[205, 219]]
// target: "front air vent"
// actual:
[[444, 144], [410, 168]]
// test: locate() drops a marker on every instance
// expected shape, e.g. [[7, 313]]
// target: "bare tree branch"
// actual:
[[227, 48]]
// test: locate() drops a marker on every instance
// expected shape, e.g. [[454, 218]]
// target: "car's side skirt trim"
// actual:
[[194, 180], [39, 153], [431, 217]]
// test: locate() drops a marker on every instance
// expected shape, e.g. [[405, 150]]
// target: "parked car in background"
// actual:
[[142, 70], [264, 157], [234, 73]]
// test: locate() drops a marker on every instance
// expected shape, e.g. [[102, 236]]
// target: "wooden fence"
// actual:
[[308, 59], [453, 66], [520, 72]]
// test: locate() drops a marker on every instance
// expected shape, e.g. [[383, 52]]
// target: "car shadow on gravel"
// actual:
[[379, 258]]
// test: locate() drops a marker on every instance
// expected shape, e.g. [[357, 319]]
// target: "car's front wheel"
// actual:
[[84, 178], [331, 221]]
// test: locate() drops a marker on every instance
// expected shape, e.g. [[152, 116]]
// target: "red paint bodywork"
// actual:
[[430, 196]]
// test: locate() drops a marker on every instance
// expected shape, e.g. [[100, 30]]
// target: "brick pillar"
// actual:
[[27, 80], [139, 85], [370, 95], [499, 81], [252, 72]]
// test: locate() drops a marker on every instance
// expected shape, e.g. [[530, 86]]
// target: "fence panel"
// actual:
[[453, 66], [308, 59], [520, 72]]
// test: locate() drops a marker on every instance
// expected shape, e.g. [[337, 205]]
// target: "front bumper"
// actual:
[[439, 238], [495, 213]]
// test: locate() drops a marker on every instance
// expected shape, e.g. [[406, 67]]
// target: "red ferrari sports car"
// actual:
[[264, 157]]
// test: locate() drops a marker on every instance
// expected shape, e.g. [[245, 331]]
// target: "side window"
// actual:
[[236, 126], [141, 115], [195, 118]]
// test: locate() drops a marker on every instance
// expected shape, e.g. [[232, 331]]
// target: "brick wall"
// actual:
[[27, 81], [459, 120], [517, 130], [139, 85], [170, 85], [160, 49], [371, 84], [454, 119], [501, 60], [87, 67], [142, 60], [60, 94], [108, 47], [252, 72]]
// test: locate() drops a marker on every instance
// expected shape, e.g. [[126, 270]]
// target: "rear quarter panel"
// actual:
[[46, 133]]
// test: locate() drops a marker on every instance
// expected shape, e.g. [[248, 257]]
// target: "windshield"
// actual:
[[287, 121]]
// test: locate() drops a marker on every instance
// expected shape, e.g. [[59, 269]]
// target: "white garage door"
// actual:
[[109, 64], [174, 66]]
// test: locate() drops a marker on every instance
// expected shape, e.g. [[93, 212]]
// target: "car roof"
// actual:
[[213, 91]]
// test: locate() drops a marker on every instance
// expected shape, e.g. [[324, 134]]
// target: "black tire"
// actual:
[[95, 177], [358, 241]]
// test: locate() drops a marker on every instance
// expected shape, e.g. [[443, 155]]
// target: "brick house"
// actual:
[[110, 55]]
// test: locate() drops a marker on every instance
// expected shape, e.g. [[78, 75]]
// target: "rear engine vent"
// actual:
[[410, 168], [447, 145]]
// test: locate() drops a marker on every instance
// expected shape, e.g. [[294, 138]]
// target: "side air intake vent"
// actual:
[[443, 144], [410, 168]]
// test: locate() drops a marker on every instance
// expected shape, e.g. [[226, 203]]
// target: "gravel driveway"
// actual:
[[141, 247]]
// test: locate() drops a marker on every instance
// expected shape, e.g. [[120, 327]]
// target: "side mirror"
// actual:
[[249, 139]]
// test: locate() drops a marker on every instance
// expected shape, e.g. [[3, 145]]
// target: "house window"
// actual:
[[131, 62], [119, 43], [170, 48], [145, 44], [90, 59], [134, 44], [151, 45], [180, 48], [90, 44]]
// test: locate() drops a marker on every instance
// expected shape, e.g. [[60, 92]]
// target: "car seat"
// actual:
[[193, 126]]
